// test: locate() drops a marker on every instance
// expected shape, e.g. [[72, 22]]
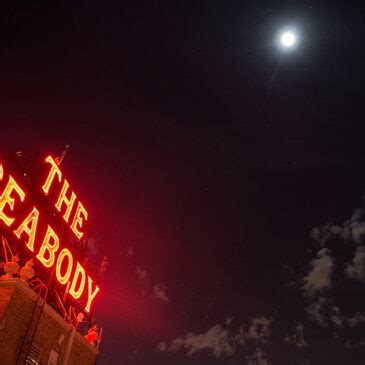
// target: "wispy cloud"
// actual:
[[148, 287], [259, 330], [327, 271], [297, 337], [160, 293], [322, 293], [130, 251], [141, 274], [356, 270], [221, 341], [320, 235], [216, 340], [258, 357], [355, 344], [357, 319], [316, 311], [319, 278]]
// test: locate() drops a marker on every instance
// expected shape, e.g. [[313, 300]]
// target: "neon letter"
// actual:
[[63, 279], [7, 199], [48, 246], [54, 170], [76, 293], [32, 219], [63, 199], [80, 214], [90, 294]]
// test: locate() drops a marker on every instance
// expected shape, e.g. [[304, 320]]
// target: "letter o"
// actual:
[[63, 279]]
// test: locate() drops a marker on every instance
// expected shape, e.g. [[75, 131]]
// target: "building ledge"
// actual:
[[22, 286]]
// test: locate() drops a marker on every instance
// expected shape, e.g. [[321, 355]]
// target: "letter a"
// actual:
[[24, 227]]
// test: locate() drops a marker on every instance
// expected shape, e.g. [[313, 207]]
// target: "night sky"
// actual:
[[224, 178]]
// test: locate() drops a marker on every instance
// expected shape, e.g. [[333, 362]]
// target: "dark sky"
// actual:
[[205, 159]]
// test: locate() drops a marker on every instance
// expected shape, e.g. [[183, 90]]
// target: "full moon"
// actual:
[[288, 39]]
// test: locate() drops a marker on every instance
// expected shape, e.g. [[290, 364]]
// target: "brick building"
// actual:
[[32, 332]]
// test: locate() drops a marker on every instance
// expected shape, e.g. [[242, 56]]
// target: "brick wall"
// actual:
[[78, 354], [53, 334]]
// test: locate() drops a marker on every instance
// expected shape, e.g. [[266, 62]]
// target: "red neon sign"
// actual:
[[47, 246]]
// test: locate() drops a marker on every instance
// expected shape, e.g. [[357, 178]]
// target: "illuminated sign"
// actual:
[[33, 227]]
